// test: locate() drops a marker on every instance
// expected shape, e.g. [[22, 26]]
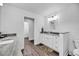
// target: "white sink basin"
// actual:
[[2, 42]]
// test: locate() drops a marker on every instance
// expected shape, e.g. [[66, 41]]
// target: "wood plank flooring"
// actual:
[[32, 50]]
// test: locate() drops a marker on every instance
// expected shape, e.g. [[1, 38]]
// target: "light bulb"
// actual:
[[55, 17], [1, 4]]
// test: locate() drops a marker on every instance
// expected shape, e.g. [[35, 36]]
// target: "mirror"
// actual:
[[52, 20]]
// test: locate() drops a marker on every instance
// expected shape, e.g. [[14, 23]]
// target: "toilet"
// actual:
[[76, 50]]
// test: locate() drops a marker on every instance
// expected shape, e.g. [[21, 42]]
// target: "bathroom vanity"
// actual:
[[57, 41]]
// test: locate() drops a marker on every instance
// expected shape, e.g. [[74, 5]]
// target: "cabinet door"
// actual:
[[54, 42], [44, 40], [55, 46], [51, 40], [47, 40]]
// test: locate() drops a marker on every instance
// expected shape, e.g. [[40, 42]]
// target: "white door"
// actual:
[[26, 29]]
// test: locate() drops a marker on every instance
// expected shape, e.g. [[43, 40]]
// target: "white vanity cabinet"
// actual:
[[58, 42], [50, 41], [64, 44]]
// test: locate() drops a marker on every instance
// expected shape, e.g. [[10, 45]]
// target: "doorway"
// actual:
[[29, 28]]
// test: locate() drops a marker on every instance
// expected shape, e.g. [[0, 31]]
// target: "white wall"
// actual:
[[12, 21], [0, 12], [39, 23], [0, 17]]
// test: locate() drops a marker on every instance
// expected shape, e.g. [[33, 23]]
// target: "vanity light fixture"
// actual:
[[52, 18], [1, 4], [55, 17]]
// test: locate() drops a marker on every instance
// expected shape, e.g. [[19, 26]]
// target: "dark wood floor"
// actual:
[[40, 50]]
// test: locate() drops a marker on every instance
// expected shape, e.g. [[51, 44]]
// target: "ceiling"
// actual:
[[36, 8]]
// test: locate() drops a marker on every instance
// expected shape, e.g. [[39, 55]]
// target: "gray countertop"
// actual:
[[7, 35], [57, 33]]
